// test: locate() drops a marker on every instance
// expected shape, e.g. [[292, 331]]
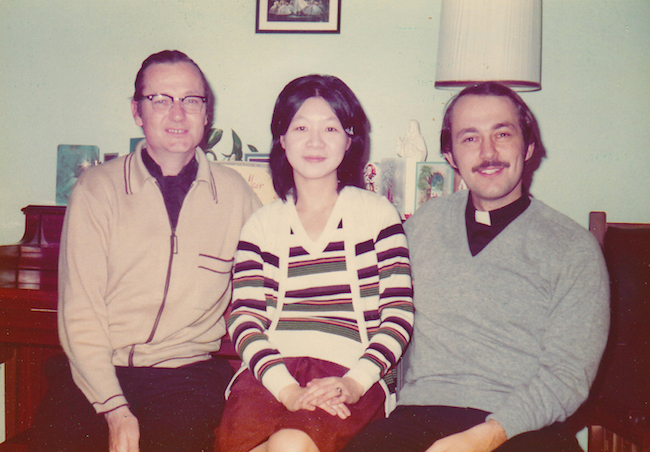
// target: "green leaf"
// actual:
[[236, 147], [252, 148], [214, 137], [214, 156]]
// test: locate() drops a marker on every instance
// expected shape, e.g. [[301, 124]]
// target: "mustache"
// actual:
[[490, 164]]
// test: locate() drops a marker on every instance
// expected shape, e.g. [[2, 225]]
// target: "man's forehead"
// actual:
[[473, 107], [172, 72]]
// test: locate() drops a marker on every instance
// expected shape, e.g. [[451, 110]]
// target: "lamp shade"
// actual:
[[490, 40]]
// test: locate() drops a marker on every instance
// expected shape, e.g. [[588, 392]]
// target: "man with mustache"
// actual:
[[511, 299]]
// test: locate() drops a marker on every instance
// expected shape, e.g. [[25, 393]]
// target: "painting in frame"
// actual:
[[71, 161], [432, 181], [298, 16]]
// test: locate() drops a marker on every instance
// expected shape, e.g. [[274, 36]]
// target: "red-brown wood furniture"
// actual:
[[618, 409]]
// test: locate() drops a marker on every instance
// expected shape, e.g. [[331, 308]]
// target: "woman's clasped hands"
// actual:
[[331, 394]]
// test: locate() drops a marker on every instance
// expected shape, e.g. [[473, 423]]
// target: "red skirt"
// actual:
[[252, 414]]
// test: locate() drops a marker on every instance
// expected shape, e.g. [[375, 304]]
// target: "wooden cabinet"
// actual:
[[28, 299]]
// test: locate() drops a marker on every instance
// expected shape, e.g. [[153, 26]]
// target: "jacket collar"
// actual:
[[136, 174]]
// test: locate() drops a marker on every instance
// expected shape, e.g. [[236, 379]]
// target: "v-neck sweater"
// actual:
[[344, 298], [517, 330]]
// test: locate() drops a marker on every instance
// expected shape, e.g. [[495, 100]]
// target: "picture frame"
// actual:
[[432, 180], [71, 161], [136, 143], [258, 177], [392, 177], [298, 16]]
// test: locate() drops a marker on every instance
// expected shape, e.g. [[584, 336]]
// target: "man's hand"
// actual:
[[123, 430], [484, 437]]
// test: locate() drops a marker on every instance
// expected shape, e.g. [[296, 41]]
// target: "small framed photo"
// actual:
[[372, 176], [298, 16], [136, 143], [432, 180], [258, 176], [71, 161]]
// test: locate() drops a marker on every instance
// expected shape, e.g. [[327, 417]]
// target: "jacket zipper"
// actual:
[[173, 249]]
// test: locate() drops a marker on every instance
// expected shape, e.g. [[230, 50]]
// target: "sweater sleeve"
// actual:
[[572, 344], [389, 340], [253, 290], [82, 312]]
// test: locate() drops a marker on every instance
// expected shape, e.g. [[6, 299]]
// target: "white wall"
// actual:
[[67, 69]]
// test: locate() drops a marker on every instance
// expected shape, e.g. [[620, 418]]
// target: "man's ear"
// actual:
[[450, 158], [134, 112], [530, 151]]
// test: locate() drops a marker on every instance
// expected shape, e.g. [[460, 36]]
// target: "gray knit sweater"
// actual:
[[519, 329]]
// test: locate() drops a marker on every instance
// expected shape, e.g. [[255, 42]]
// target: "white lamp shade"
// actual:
[[490, 40]]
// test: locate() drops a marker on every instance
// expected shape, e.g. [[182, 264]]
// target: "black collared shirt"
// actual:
[[480, 234], [173, 188]]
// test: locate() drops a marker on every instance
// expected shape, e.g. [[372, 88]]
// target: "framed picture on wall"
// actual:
[[71, 161], [258, 176], [432, 180], [298, 16]]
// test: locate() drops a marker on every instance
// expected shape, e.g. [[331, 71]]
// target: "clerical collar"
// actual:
[[483, 227], [173, 188]]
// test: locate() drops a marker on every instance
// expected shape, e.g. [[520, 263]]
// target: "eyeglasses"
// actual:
[[164, 102]]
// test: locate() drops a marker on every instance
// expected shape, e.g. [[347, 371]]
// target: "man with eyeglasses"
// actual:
[[144, 279]]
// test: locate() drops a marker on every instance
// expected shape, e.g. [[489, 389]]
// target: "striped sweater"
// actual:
[[344, 298]]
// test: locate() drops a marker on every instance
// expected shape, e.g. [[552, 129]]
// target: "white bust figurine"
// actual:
[[412, 146]]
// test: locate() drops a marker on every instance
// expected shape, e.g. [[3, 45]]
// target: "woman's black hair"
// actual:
[[348, 110]]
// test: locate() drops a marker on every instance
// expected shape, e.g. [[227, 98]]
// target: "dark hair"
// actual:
[[171, 57], [348, 110], [527, 123]]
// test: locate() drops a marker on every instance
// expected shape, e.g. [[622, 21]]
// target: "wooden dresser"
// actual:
[[28, 298]]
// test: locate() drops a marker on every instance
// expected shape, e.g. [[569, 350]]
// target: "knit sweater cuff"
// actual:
[[510, 425], [276, 379], [365, 373]]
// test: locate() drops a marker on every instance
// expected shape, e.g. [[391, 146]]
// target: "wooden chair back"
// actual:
[[618, 409]]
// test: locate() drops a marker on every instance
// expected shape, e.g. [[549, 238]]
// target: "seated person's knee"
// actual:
[[291, 440]]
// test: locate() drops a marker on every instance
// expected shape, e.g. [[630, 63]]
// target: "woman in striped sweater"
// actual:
[[322, 307]]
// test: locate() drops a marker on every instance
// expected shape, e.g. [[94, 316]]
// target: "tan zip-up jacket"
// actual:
[[132, 292]]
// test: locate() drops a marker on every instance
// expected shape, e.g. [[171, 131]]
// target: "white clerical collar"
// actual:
[[482, 217]]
